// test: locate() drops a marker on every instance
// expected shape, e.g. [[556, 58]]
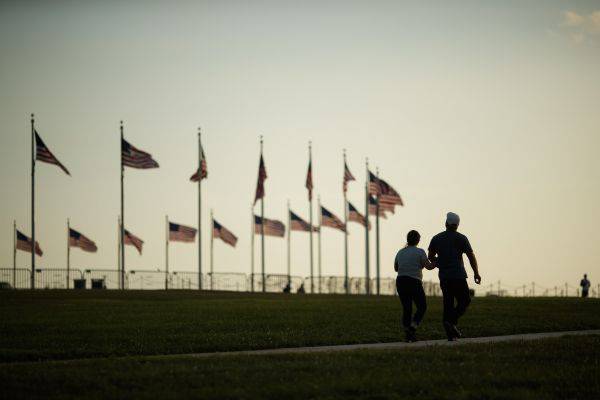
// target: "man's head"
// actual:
[[413, 238], [452, 221], [584, 276]]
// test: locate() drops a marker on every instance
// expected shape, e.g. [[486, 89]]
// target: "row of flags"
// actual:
[[131, 157], [382, 198], [135, 158], [277, 228], [177, 233], [76, 239], [187, 234]]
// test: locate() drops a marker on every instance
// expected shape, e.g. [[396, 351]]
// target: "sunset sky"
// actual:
[[487, 109]]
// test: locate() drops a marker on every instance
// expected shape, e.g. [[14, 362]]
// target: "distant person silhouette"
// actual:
[[445, 251], [287, 288], [301, 289], [409, 264], [585, 286]]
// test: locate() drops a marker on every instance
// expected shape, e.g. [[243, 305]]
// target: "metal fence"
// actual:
[[154, 279]]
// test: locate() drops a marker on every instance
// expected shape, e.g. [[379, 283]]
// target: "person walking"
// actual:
[[409, 264], [446, 251], [585, 286]]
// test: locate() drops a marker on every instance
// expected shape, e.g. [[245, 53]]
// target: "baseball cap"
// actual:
[[452, 218]]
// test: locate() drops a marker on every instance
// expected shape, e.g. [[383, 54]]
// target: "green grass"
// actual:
[[52, 324], [565, 368]]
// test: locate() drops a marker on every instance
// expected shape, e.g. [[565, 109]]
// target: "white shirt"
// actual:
[[409, 262]]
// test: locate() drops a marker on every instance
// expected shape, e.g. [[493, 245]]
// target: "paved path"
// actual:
[[345, 347], [388, 346]]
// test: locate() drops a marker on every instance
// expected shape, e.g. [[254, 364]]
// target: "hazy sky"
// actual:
[[488, 109]]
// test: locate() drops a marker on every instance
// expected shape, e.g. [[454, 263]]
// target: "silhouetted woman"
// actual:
[[409, 264]]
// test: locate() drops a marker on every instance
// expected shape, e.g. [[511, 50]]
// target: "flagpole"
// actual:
[[68, 251], [367, 273], [319, 245], [166, 252], [311, 223], [14, 254], [262, 229], [200, 210], [212, 250], [119, 244], [252, 225], [377, 236], [289, 238], [346, 287], [32, 274], [122, 274]]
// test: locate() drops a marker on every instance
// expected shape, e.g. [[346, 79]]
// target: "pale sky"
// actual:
[[486, 109]]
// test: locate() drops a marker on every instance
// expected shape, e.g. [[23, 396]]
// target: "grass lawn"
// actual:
[[58, 324], [565, 368]]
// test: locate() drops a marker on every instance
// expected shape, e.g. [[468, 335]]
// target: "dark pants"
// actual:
[[455, 289], [411, 290]]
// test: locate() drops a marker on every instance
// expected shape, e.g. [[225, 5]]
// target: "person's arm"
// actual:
[[432, 256], [431, 252], [425, 263], [473, 262], [396, 263], [468, 250]]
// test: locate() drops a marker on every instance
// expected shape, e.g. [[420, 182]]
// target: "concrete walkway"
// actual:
[[386, 346], [337, 348]]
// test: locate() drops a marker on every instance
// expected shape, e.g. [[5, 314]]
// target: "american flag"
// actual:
[[347, 177], [354, 215], [388, 197], [386, 207], [373, 208], [219, 231], [76, 239], [272, 227], [298, 224], [42, 153], [374, 184], [203, 170], [135, 158], [309, 182], [181, 233], [330, 220], [133, 240], [24, 243], [260, 185]]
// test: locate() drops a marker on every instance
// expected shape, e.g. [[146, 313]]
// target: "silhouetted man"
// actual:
[[585, 286], [446, 250]]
